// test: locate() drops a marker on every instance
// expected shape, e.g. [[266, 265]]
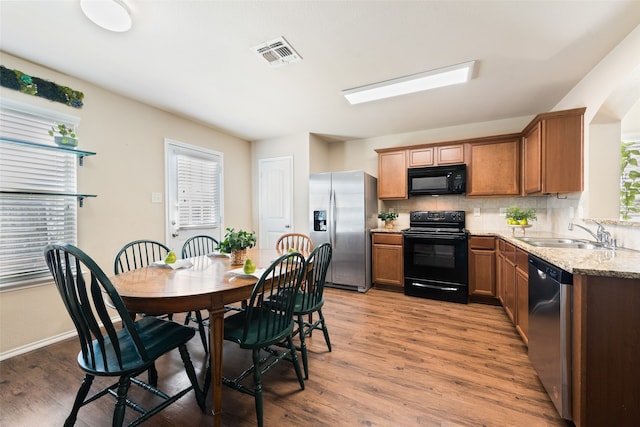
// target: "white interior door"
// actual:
[[193, 185], [275, 200]]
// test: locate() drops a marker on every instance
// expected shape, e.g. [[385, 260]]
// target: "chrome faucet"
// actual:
[[601, 235]]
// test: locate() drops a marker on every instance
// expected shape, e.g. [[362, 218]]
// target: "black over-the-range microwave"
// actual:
[[433, 180]]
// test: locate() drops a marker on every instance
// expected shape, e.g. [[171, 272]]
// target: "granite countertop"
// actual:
[[386, 230], [620, 263]]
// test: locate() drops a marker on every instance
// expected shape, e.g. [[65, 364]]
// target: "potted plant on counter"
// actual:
[[236, 243], [388, 218], [518, 217]]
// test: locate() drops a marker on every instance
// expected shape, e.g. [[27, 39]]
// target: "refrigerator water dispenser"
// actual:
[[319, 220]]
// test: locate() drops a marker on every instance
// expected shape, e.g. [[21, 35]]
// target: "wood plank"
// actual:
[[396, 361]]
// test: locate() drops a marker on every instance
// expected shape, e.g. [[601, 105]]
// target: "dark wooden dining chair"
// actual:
[[139, 254], [123, 353], [266, 325], [198, 245], [310, 300], [296, 241], [193, 247]]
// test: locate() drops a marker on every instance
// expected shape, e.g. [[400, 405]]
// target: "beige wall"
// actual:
[[128, 138], [602, 141], [296, 146]]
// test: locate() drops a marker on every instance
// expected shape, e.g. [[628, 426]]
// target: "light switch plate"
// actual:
[[156, 197], [476, 211]]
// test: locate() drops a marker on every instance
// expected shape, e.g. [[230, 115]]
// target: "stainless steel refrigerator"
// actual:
[[343, 209]]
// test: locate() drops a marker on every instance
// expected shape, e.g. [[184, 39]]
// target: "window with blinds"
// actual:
[[198, 187], [28, 222]]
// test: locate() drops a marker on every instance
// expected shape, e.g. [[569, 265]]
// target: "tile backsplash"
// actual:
[[483, 215]]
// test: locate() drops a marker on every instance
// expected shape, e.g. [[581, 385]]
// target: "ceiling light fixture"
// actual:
[[432, 79], [112, 15]]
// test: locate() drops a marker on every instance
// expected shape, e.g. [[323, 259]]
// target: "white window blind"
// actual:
[[198, 185], [36, 184]]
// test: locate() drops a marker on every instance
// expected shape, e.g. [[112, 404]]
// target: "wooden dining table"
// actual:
[[206, 285]]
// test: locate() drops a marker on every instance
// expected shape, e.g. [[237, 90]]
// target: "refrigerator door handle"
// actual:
[[332, 210]]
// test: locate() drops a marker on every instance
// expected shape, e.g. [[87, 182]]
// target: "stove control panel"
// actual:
[[437, 216]]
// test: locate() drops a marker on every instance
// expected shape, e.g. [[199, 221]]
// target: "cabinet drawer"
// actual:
[[482, 243], [387, 238]]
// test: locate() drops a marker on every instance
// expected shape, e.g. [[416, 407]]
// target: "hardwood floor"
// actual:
[[396, 361]]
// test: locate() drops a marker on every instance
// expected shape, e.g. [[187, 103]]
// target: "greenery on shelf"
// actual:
[[387, 216], [519, 216], [629, 183], [17, 80], [237, 240], [62, 130]]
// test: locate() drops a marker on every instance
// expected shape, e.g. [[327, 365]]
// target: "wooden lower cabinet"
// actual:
[[482, 270], [606, 343], [513, 285], [522, 294], [387, 261]]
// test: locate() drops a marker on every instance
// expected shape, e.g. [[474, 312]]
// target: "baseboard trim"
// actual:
[[42, 343]]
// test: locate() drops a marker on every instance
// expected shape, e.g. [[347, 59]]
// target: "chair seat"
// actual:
[[157, 336], [302, 305], [257, 334]]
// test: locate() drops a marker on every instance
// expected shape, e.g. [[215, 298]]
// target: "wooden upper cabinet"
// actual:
[[436, 155], [421, 157], [450, 154], [553, 153], [392, 175], [494, 167], [532, 160]]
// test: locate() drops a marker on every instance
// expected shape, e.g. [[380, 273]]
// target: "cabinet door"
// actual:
[[522, 303], [563, 154], [421, 157], [482, 274], [450, 154], [532, 160], [494, 169], [392, 175], [510, 289], [387, 261]]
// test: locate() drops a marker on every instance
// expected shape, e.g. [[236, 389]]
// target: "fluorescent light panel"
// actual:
[[432, 79], [112, 15]]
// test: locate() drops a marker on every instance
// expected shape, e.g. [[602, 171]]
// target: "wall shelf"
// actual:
[[80, 153], [80, 197]]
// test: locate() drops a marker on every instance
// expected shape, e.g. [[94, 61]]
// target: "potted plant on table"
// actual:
[[236, 243], [66, 135], [388, 218]]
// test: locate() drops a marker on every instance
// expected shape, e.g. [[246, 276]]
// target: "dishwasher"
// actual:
[[550, 317]]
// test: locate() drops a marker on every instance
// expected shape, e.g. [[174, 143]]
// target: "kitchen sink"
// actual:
[[553, 242]]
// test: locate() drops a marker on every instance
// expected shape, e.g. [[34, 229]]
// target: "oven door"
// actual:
[[435, 266]]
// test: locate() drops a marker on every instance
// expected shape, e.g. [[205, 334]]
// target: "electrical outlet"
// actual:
[[503, 211], [572, 214], [156, 197], [476, 211]]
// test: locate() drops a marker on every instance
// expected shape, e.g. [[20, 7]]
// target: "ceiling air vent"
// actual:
[[277, 52]]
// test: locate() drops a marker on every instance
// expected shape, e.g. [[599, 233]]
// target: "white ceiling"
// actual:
[[194, 58]]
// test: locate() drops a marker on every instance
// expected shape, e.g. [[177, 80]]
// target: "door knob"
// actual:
[[287, 226]]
